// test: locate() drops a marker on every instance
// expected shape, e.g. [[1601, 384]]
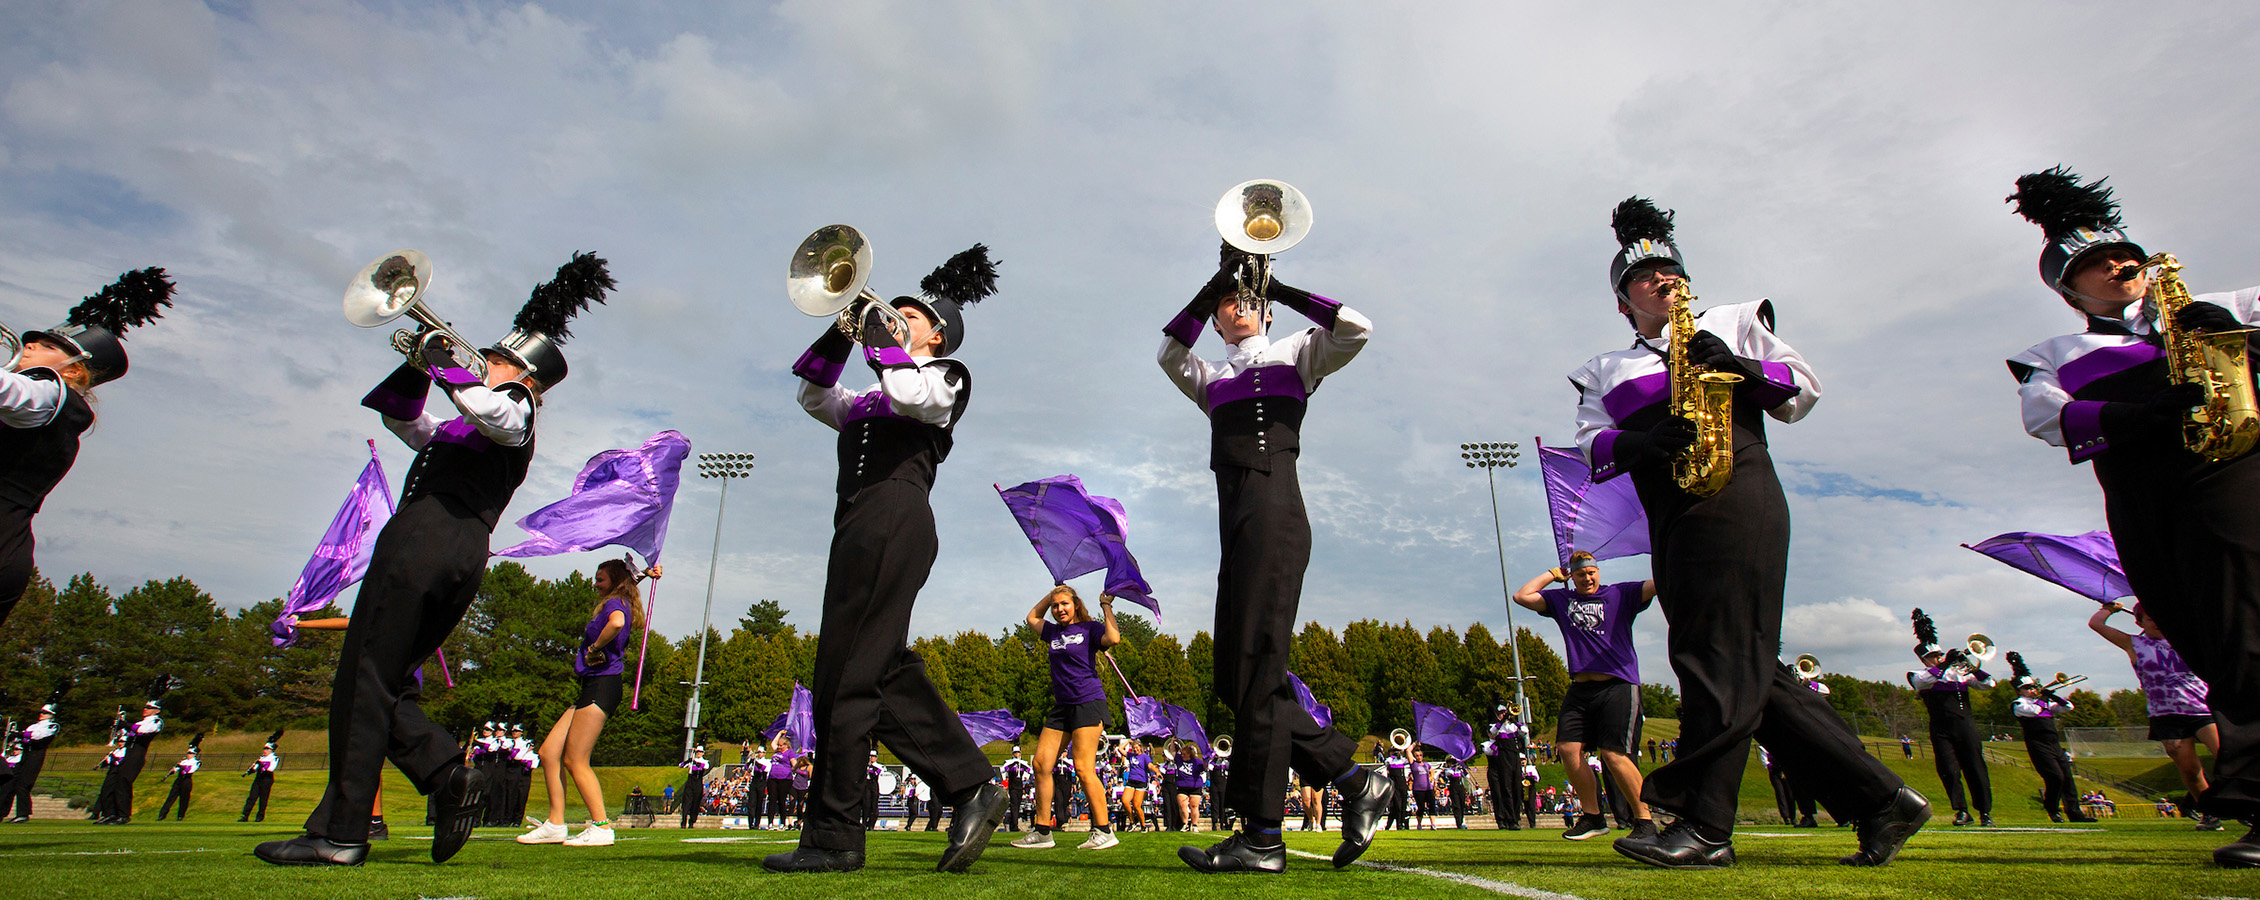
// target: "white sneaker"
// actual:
[[1034, 840], [1099, 840], [545, 833], [592, 836]]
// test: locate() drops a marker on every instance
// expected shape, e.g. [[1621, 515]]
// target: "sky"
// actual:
[[1846, 160]]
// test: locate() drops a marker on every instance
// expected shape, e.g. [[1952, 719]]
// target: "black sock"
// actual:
[[1043, 829], [1103, 829], [1262, 834]]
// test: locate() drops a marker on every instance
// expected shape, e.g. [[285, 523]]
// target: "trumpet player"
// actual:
[[44, 407], [1720, 560], [1255, 400], [868, 683], [1944, 686], [427, 565], [2182, 522], [1601, 711], [2036, 709]]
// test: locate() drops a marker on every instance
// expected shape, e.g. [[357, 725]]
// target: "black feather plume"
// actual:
[[2018, 671], [195, 742], [165, 684], [136, 298], [276, 736], [2056, 201], [1637, 219], [578, 283], [1926, 632], [964, 280]]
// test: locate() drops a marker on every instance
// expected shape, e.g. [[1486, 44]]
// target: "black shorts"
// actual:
[[600, 691], [1068, 717], [1602, 715], [2177, 728]]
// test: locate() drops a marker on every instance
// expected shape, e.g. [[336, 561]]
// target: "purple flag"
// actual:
[[1321, 712], [1185, 726], [621, 497], [343, 555], [1146, 717], [992, 725], [798, 721], [1077, 533], [1438, 728], [1602, 519], [2086, 564]]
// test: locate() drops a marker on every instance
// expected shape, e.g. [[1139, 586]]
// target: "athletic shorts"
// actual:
[[2178, 727], [600, 691], [1602, 715], [1068, 717]]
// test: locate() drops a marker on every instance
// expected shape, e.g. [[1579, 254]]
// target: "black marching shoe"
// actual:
[[308, 850], [1985, 820], [1807, 822], [972, 822], [1587, 826], [1677, 847], [243, 818], [2244, 854], [1363, 805], [1962, 817], [2055, 816], [1236, 854], [1882, 834], [379, 831], [460, 801], [2207, 822], [814, 859]]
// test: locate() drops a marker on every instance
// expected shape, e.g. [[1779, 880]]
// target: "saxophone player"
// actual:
[[1720, 560], [2183, 523]]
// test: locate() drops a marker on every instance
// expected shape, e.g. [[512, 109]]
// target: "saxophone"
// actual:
[[1705, 398], [2225, 425]]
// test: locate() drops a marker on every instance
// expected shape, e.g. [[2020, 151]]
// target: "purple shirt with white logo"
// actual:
[[1074, 658], [615, 650], [1597, 629]]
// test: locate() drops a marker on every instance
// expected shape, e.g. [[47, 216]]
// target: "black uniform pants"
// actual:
[[1507, 806], [2056, 793], [1720, 565], [16, 567], [693, 796], [1172, 818], [1014, 787], [1400, 800], [1956, 752], [262, 784], [778, 806], [18, 800], [423, 573], [1459, 802], [868, 683], [1219, 800], [183, 785], [1259, 586]]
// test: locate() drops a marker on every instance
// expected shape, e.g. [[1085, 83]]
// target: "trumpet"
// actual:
[[1222, 746], [1808, 666], [1400, 739], [1981, 649], [830, 275], [393, 286], [1261, 217]]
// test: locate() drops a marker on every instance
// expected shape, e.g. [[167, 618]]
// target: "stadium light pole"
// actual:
[[724, 466], [1491, 456]]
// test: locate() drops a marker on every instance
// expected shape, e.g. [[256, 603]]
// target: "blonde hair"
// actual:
[[1082, 613]]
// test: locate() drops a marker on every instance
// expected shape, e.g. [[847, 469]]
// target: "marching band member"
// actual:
[[1601, 712], [126, 762], [868, 682], [1016, 773], [262, 772], [693, 794], [44, 407], [184, 781], [1399, 767], [1720, 562], [2180, 703], [2182, 524], [34, 739], [1502, 762], [599, 665], [1255, 399], [1454, 772], [1078, 715], [524, 759], [427, 565], [2036, 708], [1944, 686]]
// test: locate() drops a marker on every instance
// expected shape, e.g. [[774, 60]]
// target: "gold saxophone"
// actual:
[[1705, 398], [2225, 425]]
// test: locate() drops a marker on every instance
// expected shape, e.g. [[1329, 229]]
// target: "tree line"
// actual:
[[511, 659]]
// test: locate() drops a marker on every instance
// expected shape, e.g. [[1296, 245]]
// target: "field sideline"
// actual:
[[2146, 858]]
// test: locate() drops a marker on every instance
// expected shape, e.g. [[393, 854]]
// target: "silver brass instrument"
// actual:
[[1261, 217], [1400, 739], [15, 345], [1514, 710], [2226, 425], [1981, 649], [394, 286], [830, 274], [1222, 746], [1808, 667]]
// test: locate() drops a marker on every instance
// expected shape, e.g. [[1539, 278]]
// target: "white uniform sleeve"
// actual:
[[924, 392], [414, 432], [1190, 373], [27, 402], [827, 404], [505, 416], [2244, 304], [1758, 342], [2041, 397], [1922, 679], [1592, 417], [1324, 352]]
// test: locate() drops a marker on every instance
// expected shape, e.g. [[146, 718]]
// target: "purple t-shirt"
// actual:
[[1597, 629], [1075, 657], [1134, 770], [1187, 773], [781, 765], [2167, 683], [615, 651]]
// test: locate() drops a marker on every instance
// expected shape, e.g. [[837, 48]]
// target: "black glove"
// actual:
[[875, 333], [438, 352], [2202, 316], [1708, 351], [2156, 418], [832, 345], [1664, 441]]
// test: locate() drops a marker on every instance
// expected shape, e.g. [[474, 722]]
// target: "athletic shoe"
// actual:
[[1035, 840], [379, 831], [1235, 854], [1587, 826], [2244, 854], [593, 836], [545, 833], [1985, 820], [972, 821], [459, 802], [1643, 828], [1962, 817], [308, 850], [1363, 805], [1099, 840], [813, 859], [1882, 834], [1677, 847], [2208, 823]]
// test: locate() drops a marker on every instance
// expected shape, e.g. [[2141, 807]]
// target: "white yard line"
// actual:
[[1496, 887], [120, 852]]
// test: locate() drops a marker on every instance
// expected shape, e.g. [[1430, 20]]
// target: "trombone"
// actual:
[[394, 286], [830, 275]]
